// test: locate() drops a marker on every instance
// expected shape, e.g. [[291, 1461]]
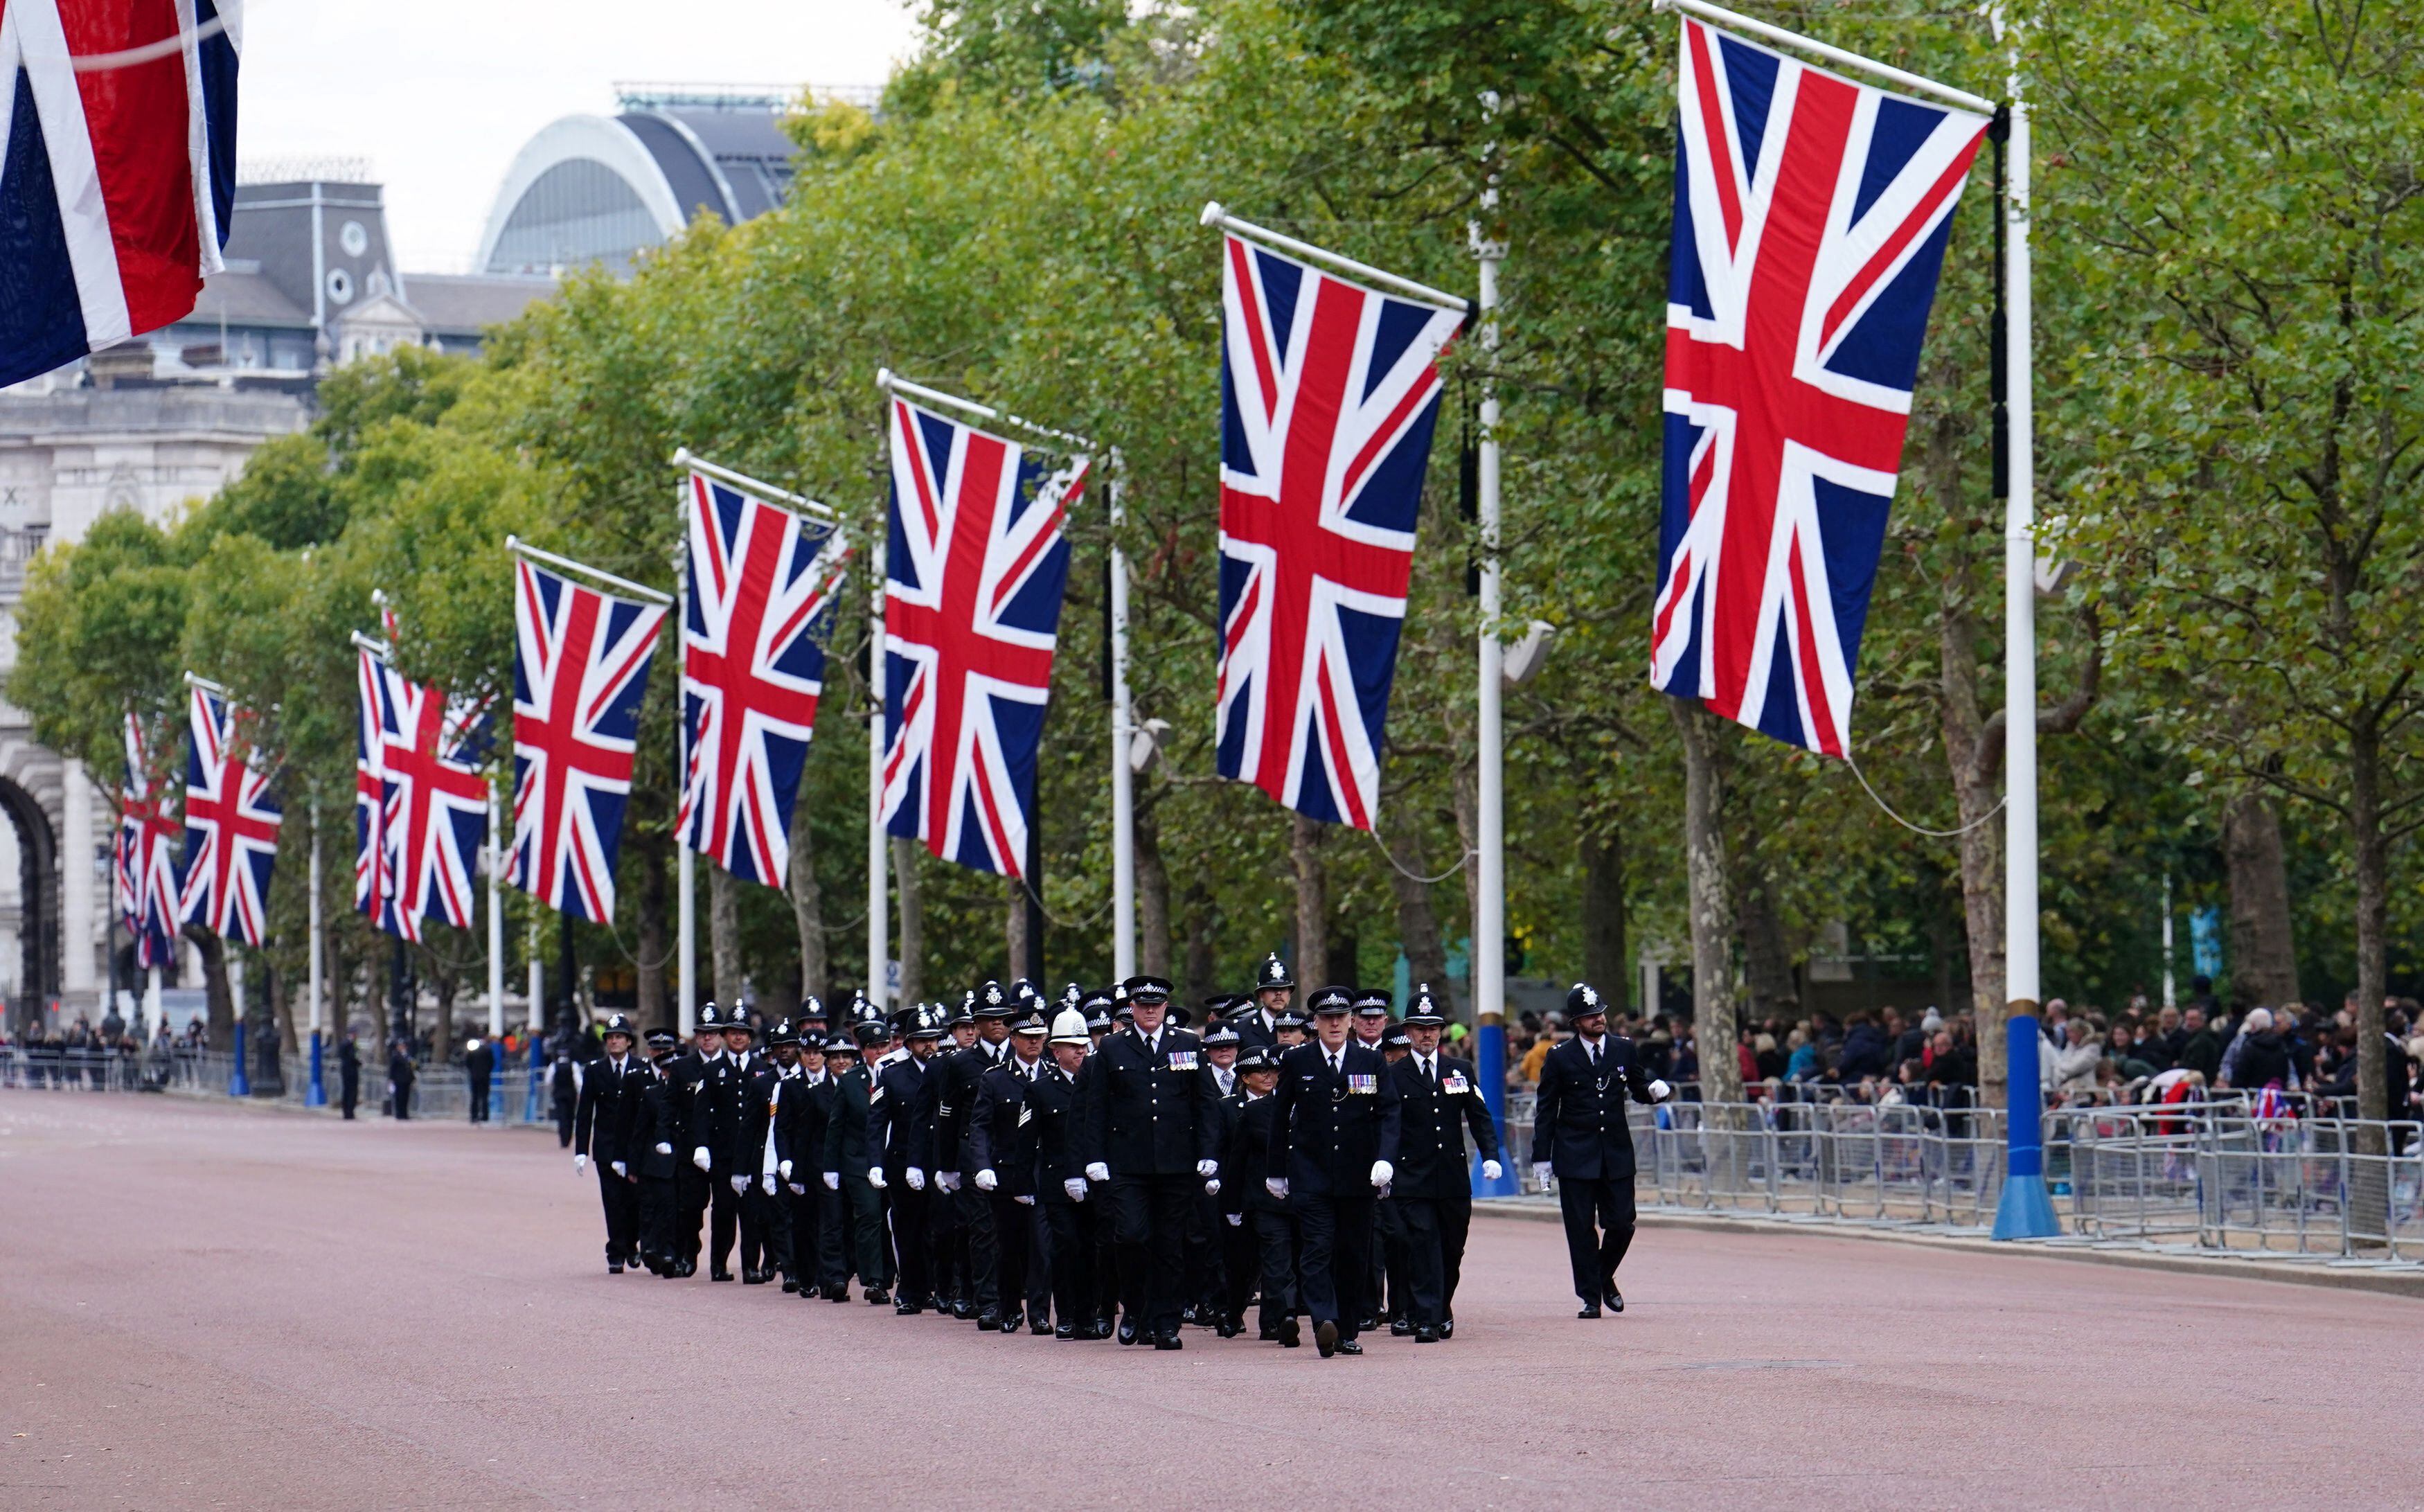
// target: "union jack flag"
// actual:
[[1810, 218], [973, 582], [581, 668], [232, 820], [146, 867], [1329, 393], [422, 750], [762, 582], [119, 179]]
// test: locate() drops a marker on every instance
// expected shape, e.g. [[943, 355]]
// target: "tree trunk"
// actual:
[[807, 907], [215, 985], [2368, 1200], [1014, 933], [1312, 904], [281, 1008], [1418, 930], [1604, 966], [1152, 901], [913, 921], [1203, 941], [1715, 1022], [651, 1008], [2263, 954], [442, 1038], [1767, 963], [723, 933]]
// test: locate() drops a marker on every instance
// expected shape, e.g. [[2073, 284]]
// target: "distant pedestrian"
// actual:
[[479, 1060], [349, 1070], [400, 1073]]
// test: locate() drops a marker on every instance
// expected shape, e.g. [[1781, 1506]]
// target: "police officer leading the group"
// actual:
[[1334, 1151], [1151, 1138], [1580, 1138]]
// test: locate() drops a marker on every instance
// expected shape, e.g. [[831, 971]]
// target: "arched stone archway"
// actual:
[[36, 975]]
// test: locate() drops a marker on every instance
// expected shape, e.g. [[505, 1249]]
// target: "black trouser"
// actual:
[[352, 1095], [659, 1199], [863, 1207], [1435, 1231], [621, 1198], [981, 1238], [1390, 1278], [403, 1102], [1203, 1268], [947, 1242], [1599, 1229], [690, 1210], [1107, 1254], [766, 1229], [724, 1219], [911, 1255], [1148, 1230], [1337, 1233], [1271, 1262], [1240, 1265], [480, 1099], [1068, 1234], [806, 1264], [1013, 1239], [563, 1121]]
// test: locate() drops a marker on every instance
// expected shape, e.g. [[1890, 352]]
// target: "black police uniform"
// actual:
[[602, 1123], [1580, 1129], [901, 1124], [1328, 1129], [1265, 1253], [975, 1290], [1050, 1102], [350, 1076], [661, 1134], [807, 1108], [1433, 1188], [715, 1123], [765, 1215], [1146, 1117], [997, 1142], [849, 1154]]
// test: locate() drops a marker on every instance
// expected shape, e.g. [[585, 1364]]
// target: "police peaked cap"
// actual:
[[1218, 1004], [662, 1039], [1257, 1057], [1584, 998], [1423, 1010], [1219, 1035], [1141, 987], [993, 1002], [1290, 1019], [1396, 1037], [1372, 1000], [782, 1033], [1332, 1000], [1272, 973], [869, 1030], [840, 1045], [1032, 1024]]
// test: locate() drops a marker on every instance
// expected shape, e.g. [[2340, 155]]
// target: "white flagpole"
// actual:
[[1487, 956], [2019, 599], [1123, 733], [316, 1092], [879, 923], [537, 979], [496, 917]]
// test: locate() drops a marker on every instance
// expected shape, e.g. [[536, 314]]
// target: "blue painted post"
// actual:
[[316, 1094], [2024, 1211], [1489, 1064], [530, 1106], [239, 1085]]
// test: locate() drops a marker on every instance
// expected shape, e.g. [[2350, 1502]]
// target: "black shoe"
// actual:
[[1127, 1331], [1290, 1336], [755, 1278], [1590, 1310], [1368, 1323], [1349, 1346], [963, 1311], [1188, 1315], [690, 1268], [1614, 1299], [1168, 1341], [1013, 1322], [790, 1288], [877, 1295], [906, 1309], [1399, 1328], [1230, 1329], [1447, 1328], [931, 1303], [986, 1322], [1325, 1337], [1103, 1328], [1066, 1331], [837, 1294], [614, 1268], [1427, 1334], [1039, 1325], [719, 1274]]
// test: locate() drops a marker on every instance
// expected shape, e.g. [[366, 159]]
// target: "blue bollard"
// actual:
[[239, 1085], [530, 1107], [316, 1094], [1490, 1065], [2024, 1211]]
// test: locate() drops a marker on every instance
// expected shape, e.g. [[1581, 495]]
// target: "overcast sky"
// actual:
[[439, 95]]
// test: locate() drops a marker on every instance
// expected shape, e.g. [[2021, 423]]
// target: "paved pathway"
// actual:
[[209, 1305]]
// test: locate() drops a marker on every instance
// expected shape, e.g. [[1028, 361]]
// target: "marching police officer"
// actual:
[[602, 1129], [999, 1166], [696, 1177], [1274, 991], [957, 1077], [900, 1126], [1334, 1151], [660, 1135], [1060, 1186], [1432, 1192], [1261, 1244], [763, 1156], [1148, 1133], [723, 1097], [807, 1109], [851, 1173], [1580, 1137]]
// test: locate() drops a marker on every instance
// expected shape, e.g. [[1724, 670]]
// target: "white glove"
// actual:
[[875, 1177], [1212, 1188], [1276, 1185], [1658, 1090], [833, 1181], [700, 1158], [917, 1179], [579, 1164], [797, 1190], [766, 1185], [1207, 1168], [740, 1183], [1235, 1220], [785, 1167], [1098, 1171], [664, 1149], [1492, 1170], [1543, 1173], [1024, 1202], [618, 1170], [948, 1180], [1075, 1188], [987, 1181], [1381, 1171]]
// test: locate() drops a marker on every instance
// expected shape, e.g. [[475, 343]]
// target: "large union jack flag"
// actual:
[[581, 669], [118, 180], [762, 582], [974, 576], [145, 858], [422, 755], [1329, 393], [232, 820], [1810, 218]]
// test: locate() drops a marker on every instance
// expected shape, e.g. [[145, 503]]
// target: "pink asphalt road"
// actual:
[[206, 1305]]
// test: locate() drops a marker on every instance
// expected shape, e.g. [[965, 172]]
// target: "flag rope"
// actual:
[[1887, 808]]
